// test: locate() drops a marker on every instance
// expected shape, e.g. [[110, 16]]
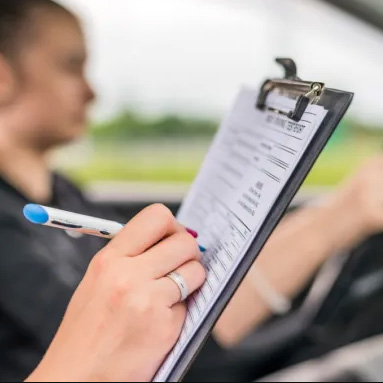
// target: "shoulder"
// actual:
[[11, 208]]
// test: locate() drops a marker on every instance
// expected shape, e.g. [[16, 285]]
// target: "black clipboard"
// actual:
[[305, 93]]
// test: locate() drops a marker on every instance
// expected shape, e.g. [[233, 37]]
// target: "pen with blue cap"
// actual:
[[65, 220]]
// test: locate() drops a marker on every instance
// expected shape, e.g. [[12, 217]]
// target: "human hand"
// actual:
[[126, 315], [360, 200]]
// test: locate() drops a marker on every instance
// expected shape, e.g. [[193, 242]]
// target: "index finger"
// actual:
[[146, 229]]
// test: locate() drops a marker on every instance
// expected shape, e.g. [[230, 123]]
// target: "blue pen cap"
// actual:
[[36, 214]]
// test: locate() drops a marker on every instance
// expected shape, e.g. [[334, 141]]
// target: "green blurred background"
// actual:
[[171, 75], [171, 148]]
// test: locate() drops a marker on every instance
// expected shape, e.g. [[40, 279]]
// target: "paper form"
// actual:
[[249, 163]]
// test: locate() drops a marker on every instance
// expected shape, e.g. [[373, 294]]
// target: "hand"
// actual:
[[125, 317], [360, 200]]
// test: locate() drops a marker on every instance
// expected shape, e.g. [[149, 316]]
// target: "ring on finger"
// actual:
[[181, 284]]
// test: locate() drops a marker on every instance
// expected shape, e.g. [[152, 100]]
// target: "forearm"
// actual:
[[302, 242]]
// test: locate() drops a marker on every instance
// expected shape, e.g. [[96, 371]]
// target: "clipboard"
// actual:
[[305, 93]]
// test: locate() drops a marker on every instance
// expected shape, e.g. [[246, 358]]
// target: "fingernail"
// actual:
[[192, 232]]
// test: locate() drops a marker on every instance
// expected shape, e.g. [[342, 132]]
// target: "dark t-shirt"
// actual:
[[40, 268]]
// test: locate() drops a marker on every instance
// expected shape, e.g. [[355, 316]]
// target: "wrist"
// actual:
[[344, 223]]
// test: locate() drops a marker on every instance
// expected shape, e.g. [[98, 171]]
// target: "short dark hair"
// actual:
[[15, 18]]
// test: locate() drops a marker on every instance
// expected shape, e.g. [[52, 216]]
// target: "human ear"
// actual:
[[7, 82]]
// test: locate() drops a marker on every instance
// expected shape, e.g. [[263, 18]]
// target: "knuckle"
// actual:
[[117, 295], [120, 278], [100, 262], [143, 305], [120, 286], [162, 212]]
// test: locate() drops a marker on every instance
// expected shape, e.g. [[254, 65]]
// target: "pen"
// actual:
[[66, 220]]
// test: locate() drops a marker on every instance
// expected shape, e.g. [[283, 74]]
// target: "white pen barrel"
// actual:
[[82, 223]]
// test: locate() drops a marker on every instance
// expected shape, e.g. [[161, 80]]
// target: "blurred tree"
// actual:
[[131, 125]]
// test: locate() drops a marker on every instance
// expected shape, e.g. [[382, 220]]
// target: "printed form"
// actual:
[[249, 163]]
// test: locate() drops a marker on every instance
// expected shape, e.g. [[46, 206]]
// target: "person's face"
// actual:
[[53, 93]]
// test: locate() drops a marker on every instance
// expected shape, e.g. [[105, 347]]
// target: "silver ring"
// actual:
[[180, 282]]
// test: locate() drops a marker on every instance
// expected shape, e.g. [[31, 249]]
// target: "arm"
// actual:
[[126, 315], [302, 243]]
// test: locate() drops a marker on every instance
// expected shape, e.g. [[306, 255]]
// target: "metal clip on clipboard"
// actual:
[[306, 93]]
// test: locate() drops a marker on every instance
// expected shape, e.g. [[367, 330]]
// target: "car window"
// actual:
[[167, 71]]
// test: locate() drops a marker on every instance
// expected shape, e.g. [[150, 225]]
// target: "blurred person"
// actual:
[[44, 98], [297, 249], [302, 243]]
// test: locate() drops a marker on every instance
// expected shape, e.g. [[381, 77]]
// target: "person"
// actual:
[[126, 315], [44, 97]]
